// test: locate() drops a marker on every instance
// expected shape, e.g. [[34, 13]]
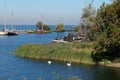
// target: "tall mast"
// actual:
[[5, 15], [12, 21], [42, 20]]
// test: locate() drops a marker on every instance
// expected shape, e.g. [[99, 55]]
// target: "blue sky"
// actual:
[[54, 11]]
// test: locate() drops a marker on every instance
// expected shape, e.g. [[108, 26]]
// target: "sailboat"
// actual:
[[12, 32], [4, 32]]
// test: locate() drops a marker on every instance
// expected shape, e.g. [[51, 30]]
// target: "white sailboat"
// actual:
[[4, 32]]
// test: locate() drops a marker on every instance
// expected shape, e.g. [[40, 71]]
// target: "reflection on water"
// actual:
[[15, 68]]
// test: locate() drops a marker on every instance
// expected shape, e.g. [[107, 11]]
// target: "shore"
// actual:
[[74, 53], [114, 65], [39, 31]]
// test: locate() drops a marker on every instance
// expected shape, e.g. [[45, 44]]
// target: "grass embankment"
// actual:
[[77, 52]]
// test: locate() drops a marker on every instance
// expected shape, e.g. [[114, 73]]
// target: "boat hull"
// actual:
[[59, 41], [3, 33], [12, 33]]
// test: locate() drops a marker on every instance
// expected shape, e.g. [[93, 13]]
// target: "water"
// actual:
[[15, 68], [33, 27]]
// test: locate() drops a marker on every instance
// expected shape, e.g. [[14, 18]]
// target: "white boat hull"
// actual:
[[59, 41], [3, 33]]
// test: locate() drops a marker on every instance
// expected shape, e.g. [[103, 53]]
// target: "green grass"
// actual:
[[77, 52]]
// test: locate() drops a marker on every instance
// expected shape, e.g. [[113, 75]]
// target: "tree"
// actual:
[[60, 27], [40, 25], [107, 32], [46, 27], [76, 27], [87, 20]]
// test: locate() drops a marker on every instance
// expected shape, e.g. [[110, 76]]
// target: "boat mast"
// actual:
[[12, 21], [42, 21], [5, 15]]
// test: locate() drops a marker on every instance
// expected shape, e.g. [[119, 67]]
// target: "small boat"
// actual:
[[49, 62], [59, 41]]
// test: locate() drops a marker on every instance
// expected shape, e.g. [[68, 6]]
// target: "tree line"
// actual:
[[41, 26], [103, 27]]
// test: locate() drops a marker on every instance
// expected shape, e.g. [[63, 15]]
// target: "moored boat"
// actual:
[[10, 33], [59, 41], [2, 33], [5, 31]]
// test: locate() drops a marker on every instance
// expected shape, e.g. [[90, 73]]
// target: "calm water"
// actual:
[[32, 27], [15, 68]]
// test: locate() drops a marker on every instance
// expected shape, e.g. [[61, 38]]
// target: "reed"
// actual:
[[77, 52]]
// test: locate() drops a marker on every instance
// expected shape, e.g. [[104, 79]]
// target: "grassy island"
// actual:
[[77, 52]]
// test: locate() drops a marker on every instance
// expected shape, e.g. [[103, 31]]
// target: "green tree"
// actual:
[[60, 27], [76, 27], [41, 26], [87, 20], [107, 32], [46, 27]]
